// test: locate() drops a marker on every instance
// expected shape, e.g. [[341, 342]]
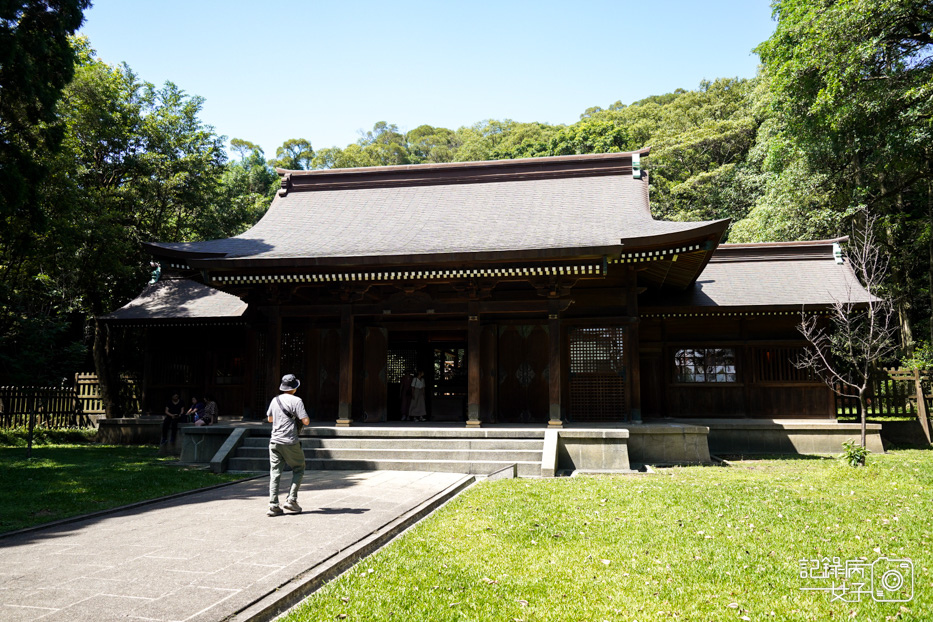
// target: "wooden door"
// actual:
[[523, 373], [488, 384], [375, 353], [328, 374]]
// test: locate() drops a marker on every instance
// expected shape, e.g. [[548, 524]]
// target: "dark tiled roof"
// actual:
[[180, 299], [768, 276], [433, 213]]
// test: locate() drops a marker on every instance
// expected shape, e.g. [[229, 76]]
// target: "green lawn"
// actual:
[[68, 480], [686, 544]]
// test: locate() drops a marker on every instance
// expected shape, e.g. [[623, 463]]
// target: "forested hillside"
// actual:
[[836, 126]]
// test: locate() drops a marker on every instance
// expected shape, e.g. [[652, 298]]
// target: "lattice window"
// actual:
[[705, 365], [597, 374], [400, 360], [294, 357], [596, 350], [776, 364]]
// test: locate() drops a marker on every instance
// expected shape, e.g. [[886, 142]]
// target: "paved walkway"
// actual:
[[212, 555]]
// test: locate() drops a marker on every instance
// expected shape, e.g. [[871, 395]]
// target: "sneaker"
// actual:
[[292, 506], [275, 510]]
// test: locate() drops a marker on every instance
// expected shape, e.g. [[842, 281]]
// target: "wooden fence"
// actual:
[[62, 407], [893, 394], [53, 407], [88, 390]]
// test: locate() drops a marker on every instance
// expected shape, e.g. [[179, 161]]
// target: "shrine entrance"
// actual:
[[443, 359], [513, 373]]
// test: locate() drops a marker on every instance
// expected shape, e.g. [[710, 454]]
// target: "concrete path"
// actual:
[[211, 555]]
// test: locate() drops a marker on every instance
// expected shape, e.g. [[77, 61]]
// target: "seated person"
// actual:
[[209, 414]]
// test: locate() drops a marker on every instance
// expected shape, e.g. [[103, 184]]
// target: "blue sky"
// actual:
[[325, 71]]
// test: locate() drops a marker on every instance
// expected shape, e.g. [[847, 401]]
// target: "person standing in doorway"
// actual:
[[417, 411], [286, 414]]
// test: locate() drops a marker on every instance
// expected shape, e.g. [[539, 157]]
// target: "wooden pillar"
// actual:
[[554, 367], [345, 405], [473, 361], [145, 397]]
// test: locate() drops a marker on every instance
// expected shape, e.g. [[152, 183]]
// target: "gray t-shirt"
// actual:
[[284, 431]]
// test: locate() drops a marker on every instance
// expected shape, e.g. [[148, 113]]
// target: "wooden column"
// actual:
[[345, 405], [145, 406], [554, 371], [473, 361]]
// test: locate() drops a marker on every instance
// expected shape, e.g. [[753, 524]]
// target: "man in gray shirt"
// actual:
[[285, 411]]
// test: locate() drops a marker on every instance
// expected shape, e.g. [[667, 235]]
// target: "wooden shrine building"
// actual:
[[528, 291]]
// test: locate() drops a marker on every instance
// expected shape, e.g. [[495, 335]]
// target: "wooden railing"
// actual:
[[893, 393], [62, 407], [53, 407], [88, 390]]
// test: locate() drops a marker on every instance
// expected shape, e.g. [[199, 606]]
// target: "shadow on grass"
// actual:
[[762, 457]]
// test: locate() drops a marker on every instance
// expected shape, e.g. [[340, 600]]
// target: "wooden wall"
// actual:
[[767, 384]]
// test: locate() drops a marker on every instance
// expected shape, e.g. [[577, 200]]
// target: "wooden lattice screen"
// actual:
[[597, 374], [398, 361], [294, 358], [776, 364]]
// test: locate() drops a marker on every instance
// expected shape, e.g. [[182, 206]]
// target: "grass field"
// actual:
[[685, 544], [68, 480]]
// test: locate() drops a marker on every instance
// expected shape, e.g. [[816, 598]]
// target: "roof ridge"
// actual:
[[447, 173]]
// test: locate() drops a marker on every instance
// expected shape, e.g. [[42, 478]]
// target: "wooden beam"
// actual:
[[473, 361], [345, 405], [430, 309]]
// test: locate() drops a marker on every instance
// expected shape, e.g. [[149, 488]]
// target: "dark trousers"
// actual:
[[169, 424]]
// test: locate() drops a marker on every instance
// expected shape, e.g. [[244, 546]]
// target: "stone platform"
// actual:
[[731, 437], [449, 447]]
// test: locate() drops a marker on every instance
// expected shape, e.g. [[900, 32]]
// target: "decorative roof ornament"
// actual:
[[286, 184]]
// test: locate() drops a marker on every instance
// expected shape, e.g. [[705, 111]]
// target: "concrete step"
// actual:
[[476, 467], [491, 444], [406, 452]]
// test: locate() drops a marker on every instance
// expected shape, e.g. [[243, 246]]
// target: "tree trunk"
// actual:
[[108, 387], [863, 407], [898, 279], [930, 242]]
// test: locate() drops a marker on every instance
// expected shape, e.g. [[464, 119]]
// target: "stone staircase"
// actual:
[[452, 450]]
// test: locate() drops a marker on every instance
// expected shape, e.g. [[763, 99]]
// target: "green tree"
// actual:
[[36, 62], [135, 164], [852, 88], [295, 154]]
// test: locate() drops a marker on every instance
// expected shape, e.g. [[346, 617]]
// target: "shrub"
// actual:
[[19, 436], [854, 453]]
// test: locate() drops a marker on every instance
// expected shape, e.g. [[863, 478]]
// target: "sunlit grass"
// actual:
[[61, 481], [687, 544]]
